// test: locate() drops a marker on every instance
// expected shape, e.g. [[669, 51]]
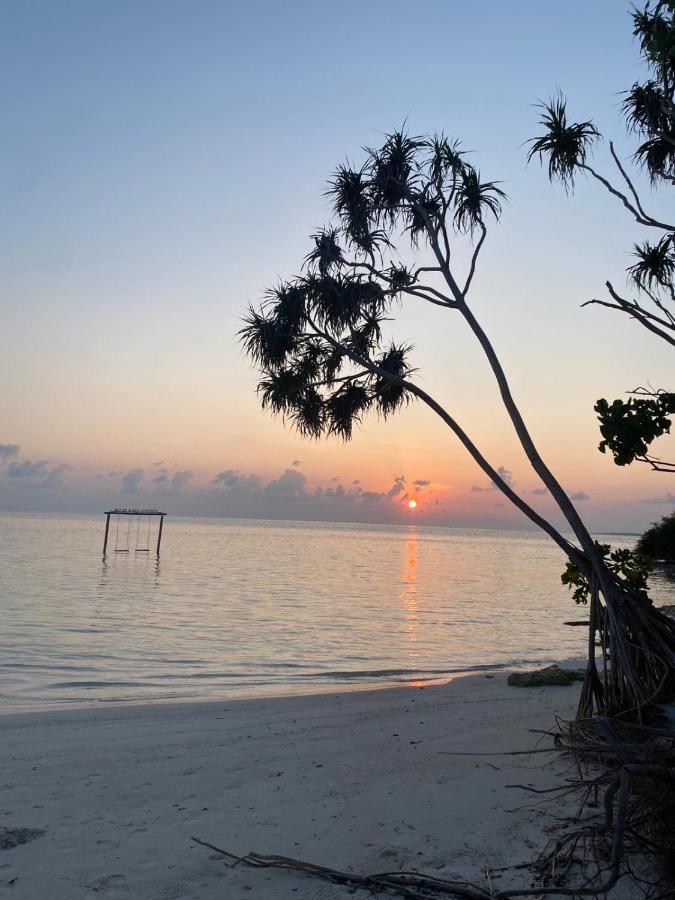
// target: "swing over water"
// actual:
[[239, 608], [128, 515]]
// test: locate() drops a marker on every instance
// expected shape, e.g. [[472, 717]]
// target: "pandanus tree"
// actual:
[[318, 341], [629, 427]]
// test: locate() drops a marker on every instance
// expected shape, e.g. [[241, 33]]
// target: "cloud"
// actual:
[[356, 481], [162, 477], [421, 482], [372, 496], [28, 469], [398, 487], [289, 486], [505, 474], [335, 478], [540, 492], [580, 495], [8, 451], [131, 482], [234, 482], [296, 462], [54, 477], [668, 499], [38, 473], [180, 479]]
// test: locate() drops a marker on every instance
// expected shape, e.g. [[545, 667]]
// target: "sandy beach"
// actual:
[[355, 780]]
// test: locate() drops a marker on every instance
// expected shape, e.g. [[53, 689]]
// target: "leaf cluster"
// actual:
[[317, 339], [628, 427], [564, 145], [630, 567], [649, 105]]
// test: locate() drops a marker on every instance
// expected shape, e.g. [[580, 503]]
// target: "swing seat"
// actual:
[[142, 550], [120, 551]]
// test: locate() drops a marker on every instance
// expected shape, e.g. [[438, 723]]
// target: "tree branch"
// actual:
[[642, 220], [474, 259]]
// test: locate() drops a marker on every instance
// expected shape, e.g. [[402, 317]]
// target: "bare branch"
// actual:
[[474, 259], [643, 220]]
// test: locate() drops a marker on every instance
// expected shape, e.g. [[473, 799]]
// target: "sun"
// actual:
[[412, 504]]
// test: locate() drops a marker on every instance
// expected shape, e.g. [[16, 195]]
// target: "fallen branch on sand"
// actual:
[[638, 780]]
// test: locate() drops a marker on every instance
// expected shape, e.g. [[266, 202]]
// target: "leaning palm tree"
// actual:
[[318, 342]]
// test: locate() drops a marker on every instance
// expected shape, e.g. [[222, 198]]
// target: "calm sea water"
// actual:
[[243, 608]]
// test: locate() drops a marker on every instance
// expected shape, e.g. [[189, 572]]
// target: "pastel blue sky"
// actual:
[[165, 162]]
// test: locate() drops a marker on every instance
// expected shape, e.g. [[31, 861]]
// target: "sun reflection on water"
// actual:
[[409, 595]]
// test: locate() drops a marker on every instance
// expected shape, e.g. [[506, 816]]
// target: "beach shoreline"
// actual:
[[363, 780]]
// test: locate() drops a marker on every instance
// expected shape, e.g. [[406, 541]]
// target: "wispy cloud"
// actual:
[[667, 499], [580, 496]]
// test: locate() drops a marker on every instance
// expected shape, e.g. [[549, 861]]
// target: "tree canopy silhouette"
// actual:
[[629, 427], [318, 340], [658, 542]]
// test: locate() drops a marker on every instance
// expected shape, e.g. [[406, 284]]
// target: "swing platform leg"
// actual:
[[107, 528]]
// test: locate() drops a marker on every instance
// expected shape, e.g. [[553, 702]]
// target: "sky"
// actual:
[[164, 163]]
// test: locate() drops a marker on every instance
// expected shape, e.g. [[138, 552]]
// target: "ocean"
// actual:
[[237, 608]]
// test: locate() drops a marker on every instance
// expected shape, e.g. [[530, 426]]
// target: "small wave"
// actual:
[[59, 685], [394, 673]]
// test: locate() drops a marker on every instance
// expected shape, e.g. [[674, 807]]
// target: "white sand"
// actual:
[[353, 780]]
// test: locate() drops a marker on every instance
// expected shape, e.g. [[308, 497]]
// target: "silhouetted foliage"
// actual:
[[658, 542], [311, 335], [629, 427]]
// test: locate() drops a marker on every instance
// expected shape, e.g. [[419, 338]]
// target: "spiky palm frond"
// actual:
[[644, 109], [350, 194], [281, 391], [333, 362], [340, 301], [421, 211], [655, 264], [286, 305], [394, 172], [389, 396], [308, 414], [658, 157], [367, 336], [345, 408], [399, 277], [655, 30], [310, 362], [266, 340], [564, 144], [445, 158], [473, 199], [327, 254]]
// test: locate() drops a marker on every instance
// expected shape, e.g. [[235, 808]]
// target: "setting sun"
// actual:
[[412, 504]]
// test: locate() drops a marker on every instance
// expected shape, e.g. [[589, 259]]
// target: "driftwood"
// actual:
[[630, 760]]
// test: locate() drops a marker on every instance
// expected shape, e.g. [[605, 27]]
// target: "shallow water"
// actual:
[[245, 608]]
